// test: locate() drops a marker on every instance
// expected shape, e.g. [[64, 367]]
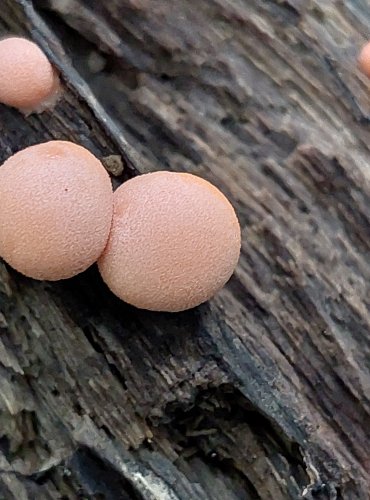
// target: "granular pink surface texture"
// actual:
[[175, 241], [56, 205], [364, 59], [28, 81]]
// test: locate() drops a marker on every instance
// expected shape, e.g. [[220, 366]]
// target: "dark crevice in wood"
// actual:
[[96, 477], [202, 428]]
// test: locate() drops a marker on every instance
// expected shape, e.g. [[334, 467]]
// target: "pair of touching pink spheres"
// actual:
[[164, 241]]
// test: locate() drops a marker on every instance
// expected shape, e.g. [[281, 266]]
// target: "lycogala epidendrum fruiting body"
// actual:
[[56, 206], [364, 59], [28, 81], [174, 242]]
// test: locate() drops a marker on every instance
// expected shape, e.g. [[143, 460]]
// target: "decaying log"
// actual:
[[264, 392]]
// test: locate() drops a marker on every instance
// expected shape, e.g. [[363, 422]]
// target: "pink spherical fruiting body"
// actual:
[[56, 206], [28, 81], [174, 242], [364, 59]]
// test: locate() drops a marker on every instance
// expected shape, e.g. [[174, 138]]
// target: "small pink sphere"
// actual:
[[56, 206], [364, 59], [28, 81], [174, 242]]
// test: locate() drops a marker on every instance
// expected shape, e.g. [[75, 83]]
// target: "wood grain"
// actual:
[[263, 393]]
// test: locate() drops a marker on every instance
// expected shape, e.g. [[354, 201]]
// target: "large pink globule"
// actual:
[[175, 241], [56, 205], [28, 81]]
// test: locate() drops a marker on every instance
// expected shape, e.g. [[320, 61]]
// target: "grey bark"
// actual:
[[263, 393]]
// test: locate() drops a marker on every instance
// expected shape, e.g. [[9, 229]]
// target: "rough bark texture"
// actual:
[[263, 393]]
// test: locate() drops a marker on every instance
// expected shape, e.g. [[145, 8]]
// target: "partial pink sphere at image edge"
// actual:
[[175, 241], [364, 59], [56, 207], [28, 81]]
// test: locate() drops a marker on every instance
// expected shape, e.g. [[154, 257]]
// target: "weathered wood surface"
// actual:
[[264, 393]]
